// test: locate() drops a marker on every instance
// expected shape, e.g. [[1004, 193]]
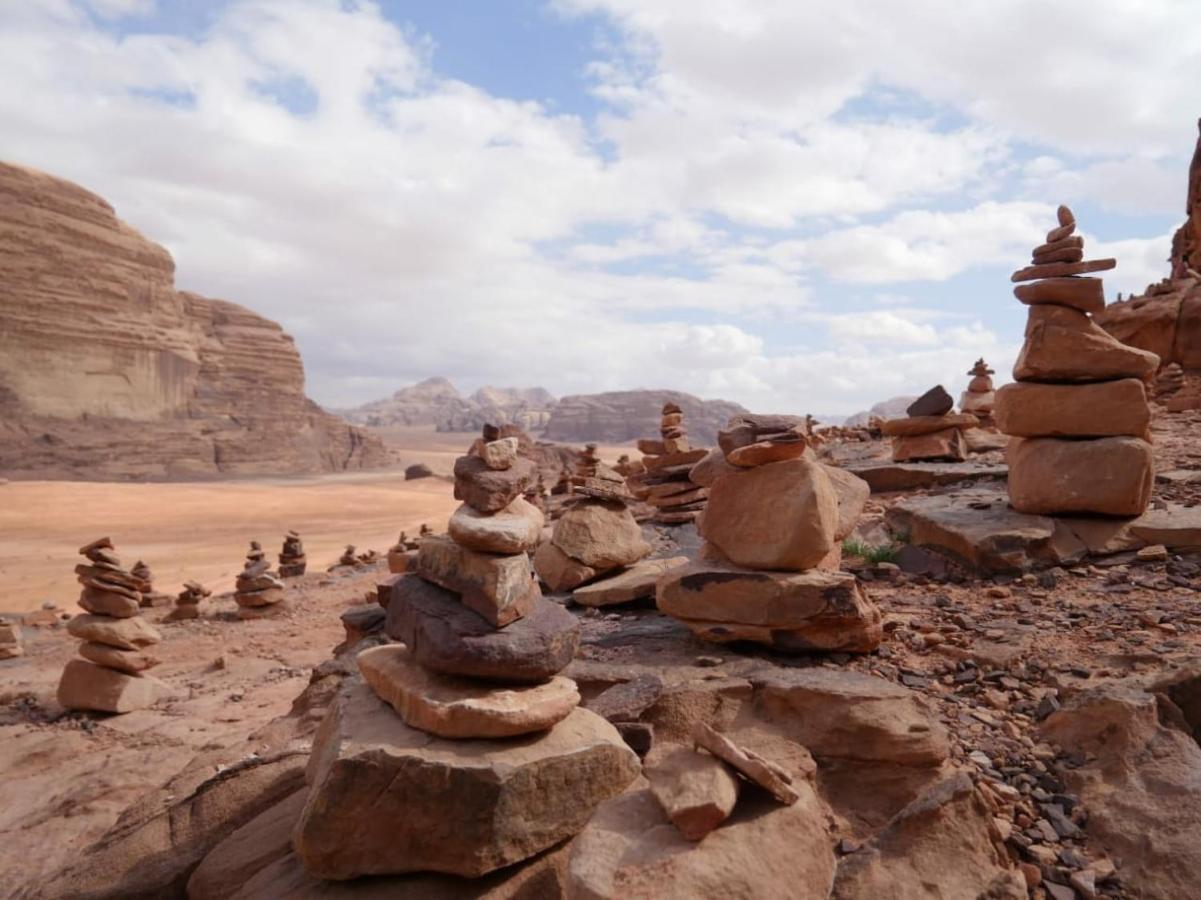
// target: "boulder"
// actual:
[[1109, 476], [515, 529], [852, 493], [387, 798], [634, 583], [935, 402], [455, 707], [709, 469], [788, 611], [1101, 409], [125, 634], [947, 444], [491, 490], [558, 570], [85, 685], [696, 791], [600, 535], [501, 588], [1063, 345], [446, 637], [779, 516], [418, 470]]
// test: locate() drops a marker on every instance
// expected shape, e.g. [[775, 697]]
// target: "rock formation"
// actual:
[[979, 397], [106, 370], [930, 431], [258, 592], [773, 530], [437, 783], [145, 578], [292, 560], [619, 416], [437, 402], [111, 677], [187, 604], [663, 481], [1078, 411]]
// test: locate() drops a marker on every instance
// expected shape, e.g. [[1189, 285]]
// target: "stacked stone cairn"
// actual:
[[10, 639], [348, 557], [773, 531], [145, 579], [402, 554], [1077, 414], [258, 591], [664, 482], [484, 757], [292, 560], [111, 677], [979, 398], [930, 430], [187, 604]]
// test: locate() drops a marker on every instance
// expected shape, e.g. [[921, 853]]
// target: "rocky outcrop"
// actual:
[[435, 401], [618, 416], [106, 370]]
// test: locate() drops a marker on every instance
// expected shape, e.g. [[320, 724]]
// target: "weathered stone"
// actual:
[[85, 685], [709, 469], [453, 707], [600, 535], [491, 490], [769, 451], [129, 661], [500, 588], [515, 529], [852, 493], [1058, 270], [125, 634], [695, 790], [630, 584], [779, 516], [883, 476], [1108, 476], [500, 454], [1101, 409], [771, 777], [915, 426], [947, 444], [434, 802], [560, 571], [446, 637], [1064, 345], [103, 602], [795, 611], [935, 402], [259, 599], [1175, 527], [627, 700], [400, 561]]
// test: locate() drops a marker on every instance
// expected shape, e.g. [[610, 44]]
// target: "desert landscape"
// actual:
[[525, 608]]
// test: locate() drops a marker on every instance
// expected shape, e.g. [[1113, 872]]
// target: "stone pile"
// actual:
[[111, 677], [258, 591], [145, 579], [485, 757], [187, 604], [348, 557], [1078, 411], [292, 561], [664, 481], [587, 465], [402, 554], [979, 398], [10, 640], [773, 530], [930, 430]]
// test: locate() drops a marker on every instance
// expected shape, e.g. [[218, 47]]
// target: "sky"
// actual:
[[799, 206]]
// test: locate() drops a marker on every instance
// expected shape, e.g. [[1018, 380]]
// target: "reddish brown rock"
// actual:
[[1101, 409], [695, 790], [1058, 270], [131, 662], [1108, 476], [935, 402], [947, 445], [500, 588], [915, 426], [491, 490], [600, 535], [558, 570], [85, 685], [1063, 345]]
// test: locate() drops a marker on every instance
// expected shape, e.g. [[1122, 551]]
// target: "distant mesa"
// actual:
[[108, 371]]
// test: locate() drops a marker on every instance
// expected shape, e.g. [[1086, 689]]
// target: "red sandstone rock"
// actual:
[[1109, 476], [1101, 409]]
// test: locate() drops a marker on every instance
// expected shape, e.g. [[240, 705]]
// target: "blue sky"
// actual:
[[801, 207]]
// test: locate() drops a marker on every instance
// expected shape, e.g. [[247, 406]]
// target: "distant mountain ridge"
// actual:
[[435, 401]]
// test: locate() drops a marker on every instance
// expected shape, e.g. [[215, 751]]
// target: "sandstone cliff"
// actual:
[[107, 371], [627, 415], [437, 402]]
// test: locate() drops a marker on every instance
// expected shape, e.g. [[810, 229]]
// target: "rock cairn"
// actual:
[[979, 398], [10, 639], [485, 757], [664, 481], [111, 677], [145, 578], [348, 557], [292, 561], [258, 591], [930, 430], [1078, 411], [402, 554], [773, 530], [187, 604]]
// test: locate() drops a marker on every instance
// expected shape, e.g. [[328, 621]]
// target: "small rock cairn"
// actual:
[[145, 578], [292, 561], [773, 530], [1078, 409], [187, 604], [979, 398], [258, 592], [11, 645], [111, 677], [664, 482], [930, 431], [402, 554], [484, 758]]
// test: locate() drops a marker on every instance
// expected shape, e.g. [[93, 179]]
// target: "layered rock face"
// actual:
[[618, 416], [435, 401], [107, 370]]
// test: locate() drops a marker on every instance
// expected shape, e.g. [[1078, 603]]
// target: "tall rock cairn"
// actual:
[[111, 677], [292, 559], [484, 758], [664, 482], [258, 592], [1078, 411], [773, 531], [979, 398]]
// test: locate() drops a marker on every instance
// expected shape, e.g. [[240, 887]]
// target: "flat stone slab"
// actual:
[[884, 476], [634, 583], [454, 707]]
